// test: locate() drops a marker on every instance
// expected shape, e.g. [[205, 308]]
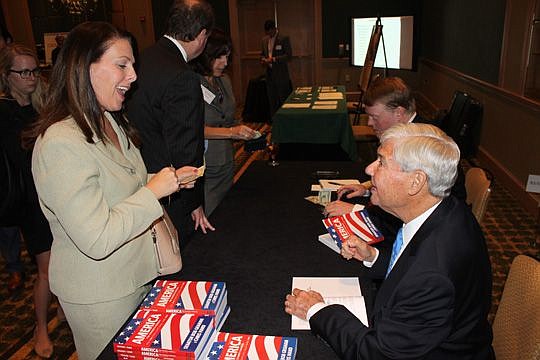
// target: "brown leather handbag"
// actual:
[[166, 246]]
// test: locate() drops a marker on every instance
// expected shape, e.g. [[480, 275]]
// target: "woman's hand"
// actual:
[[187, 175], [242, 132], [164, 183]]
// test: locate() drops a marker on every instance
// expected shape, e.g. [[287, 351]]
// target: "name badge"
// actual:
[[279, 47], [208, 96]]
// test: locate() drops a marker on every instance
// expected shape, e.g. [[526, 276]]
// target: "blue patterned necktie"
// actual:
[[395, 250]]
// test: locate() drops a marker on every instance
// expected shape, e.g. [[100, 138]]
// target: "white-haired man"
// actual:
[[434, 301]]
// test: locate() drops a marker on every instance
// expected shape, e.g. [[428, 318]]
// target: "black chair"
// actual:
[[463, 123], [256, 106]]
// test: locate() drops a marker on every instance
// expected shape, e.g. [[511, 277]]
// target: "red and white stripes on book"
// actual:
[[356, 223]]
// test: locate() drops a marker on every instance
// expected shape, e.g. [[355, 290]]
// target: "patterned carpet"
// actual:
[[509, 231]]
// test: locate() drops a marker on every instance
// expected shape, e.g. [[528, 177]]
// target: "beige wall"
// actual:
[[510, 137]]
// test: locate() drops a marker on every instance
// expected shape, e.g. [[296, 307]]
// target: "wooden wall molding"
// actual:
[[483, 86]]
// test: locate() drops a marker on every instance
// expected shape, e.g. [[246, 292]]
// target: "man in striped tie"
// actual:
[[436, 293]]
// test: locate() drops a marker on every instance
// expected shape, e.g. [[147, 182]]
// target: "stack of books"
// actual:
[[176, 320], [229, 346], [155, 335], [181, 297]]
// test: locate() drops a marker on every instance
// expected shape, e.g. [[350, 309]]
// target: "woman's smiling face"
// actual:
[[111, 76]]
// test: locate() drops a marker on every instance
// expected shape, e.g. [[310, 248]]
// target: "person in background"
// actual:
[[221, 128], [168, 108], [59, 42], [388, 101], [10, 237], [24, 91], [275, 54], [94, 189], [436, 293]]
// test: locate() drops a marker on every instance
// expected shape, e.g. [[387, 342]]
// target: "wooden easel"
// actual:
[[365, 77]]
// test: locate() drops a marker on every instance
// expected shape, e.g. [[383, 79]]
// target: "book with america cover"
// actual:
[[231, 346], [356, 223], [166, 335], [171, 296]]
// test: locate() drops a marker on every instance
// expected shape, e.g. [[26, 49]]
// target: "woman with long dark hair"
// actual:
[[94, 188]]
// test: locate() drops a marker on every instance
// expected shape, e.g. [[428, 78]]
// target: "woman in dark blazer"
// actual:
[[221, 128]]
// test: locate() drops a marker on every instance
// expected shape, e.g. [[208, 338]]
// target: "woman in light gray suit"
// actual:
[[93, 189]]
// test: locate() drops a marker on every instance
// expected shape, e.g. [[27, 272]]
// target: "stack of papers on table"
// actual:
[[296, 105], [331, 95], [343, 291]]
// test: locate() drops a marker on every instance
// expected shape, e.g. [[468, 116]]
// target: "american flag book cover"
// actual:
[[180, 336], [186, 296], [356, 223], [230, 346]]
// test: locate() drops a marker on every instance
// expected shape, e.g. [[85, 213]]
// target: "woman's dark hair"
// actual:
[[217, 45], [70, 89]]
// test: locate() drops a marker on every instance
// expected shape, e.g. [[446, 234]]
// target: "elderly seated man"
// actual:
[[436, 293]]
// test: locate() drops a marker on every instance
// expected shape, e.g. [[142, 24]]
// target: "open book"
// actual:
[[344, 291]]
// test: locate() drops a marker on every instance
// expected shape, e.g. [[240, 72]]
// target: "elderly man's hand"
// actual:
[[338, 207], [352, 190], [299, 302], [357, 248]]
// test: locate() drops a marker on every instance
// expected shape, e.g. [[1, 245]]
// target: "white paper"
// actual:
[[296, 106], [208, 96], [335, 184], [324, 107], [327, 240], [344, 291], [533, 184], [330, 96]]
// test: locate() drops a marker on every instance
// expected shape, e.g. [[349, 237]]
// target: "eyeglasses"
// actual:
[[26, 73]]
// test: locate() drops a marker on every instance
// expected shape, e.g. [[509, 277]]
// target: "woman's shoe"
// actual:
[[45, 349]]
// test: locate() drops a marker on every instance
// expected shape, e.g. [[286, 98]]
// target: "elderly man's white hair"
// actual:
[[427, 148]]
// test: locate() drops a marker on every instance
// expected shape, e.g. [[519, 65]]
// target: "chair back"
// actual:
[[477, 184], [516, 328]]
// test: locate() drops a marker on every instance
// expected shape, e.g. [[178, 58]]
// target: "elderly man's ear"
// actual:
[[418, 182]]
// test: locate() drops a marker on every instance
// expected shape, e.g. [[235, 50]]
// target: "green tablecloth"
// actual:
[[318, 126]]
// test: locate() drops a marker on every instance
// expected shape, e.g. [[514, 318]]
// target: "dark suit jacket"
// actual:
[[168, 110], [434, 303], [277, 77]]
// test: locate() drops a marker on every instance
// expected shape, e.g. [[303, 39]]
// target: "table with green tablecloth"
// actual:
[[310, 125]]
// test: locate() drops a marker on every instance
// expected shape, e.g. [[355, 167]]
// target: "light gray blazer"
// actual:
[[99, 211]]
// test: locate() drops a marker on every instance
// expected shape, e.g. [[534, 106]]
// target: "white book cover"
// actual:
[[344, 291]]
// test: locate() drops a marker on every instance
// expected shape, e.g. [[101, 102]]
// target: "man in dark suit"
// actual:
[[388, 101], [434, 301], [168, 110], [276, 53]]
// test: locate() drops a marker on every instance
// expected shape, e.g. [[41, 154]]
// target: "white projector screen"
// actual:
[[398, 40]]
